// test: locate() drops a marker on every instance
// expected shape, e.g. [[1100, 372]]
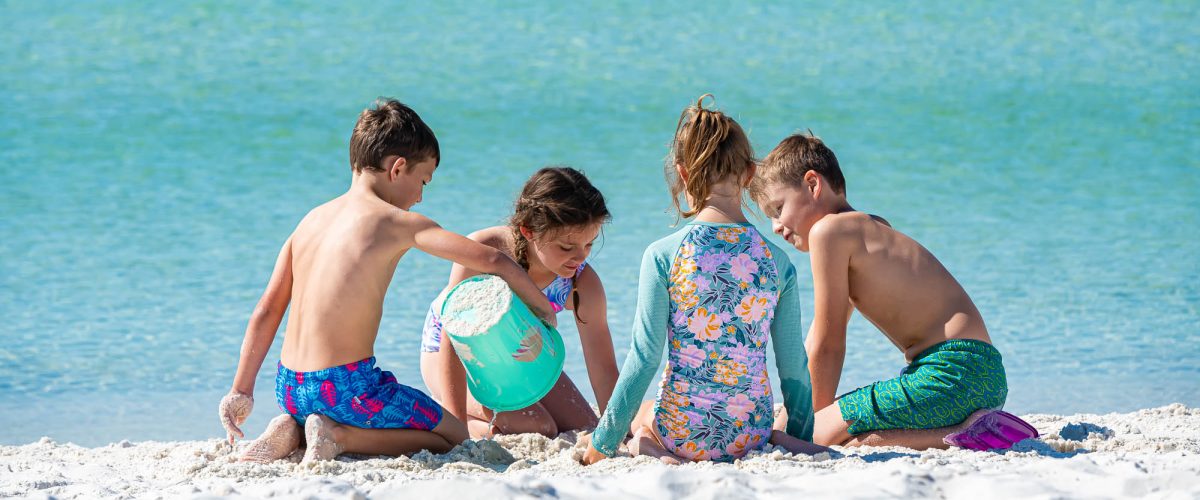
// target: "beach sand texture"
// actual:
[[475, 306], [1153, 453]]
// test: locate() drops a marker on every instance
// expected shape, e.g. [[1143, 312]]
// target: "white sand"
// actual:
[[1150, 453], [483, 302]]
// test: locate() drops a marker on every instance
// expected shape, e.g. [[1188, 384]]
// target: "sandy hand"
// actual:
[[234, 409], [591, 456], [585, 453]]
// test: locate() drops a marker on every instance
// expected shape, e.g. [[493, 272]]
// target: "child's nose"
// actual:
[[777, 227]]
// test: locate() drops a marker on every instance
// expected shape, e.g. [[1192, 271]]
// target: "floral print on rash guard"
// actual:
[[715, 398], [710, 295]]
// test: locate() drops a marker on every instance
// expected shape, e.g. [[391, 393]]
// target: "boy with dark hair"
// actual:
[[954, 385], [334, 271]]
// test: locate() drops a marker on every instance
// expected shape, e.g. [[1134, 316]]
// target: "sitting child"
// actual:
[[713, 293], [954, 384], [554, 223], [334, 271]]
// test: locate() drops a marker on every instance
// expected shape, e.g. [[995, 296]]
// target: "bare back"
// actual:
[[343, 256], [900, 287]]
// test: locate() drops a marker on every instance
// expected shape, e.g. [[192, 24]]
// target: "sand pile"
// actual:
[[476, 305], [1153, 453]]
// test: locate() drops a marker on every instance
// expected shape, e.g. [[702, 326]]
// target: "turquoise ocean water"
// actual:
[[154, 155]]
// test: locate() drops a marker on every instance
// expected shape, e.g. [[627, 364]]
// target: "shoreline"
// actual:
[[1152, 452]]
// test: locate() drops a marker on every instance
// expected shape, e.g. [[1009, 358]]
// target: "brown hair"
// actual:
[[555, 198], [795, 156], [390, 128], [710, 146]]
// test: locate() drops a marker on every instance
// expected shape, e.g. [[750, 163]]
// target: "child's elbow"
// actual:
[[827, 350], [265, 313], [494, 262]]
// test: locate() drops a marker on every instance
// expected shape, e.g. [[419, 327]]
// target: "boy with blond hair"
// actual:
[[333, 271], [952, 389]]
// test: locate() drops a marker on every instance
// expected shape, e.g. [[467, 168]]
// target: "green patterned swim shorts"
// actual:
[[942, 387]]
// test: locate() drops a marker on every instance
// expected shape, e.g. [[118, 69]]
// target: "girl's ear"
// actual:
[[683, 174], [397, 168], [525, 232], [750, 174]]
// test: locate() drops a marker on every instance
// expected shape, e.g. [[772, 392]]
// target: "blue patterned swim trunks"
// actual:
[[357, 394]]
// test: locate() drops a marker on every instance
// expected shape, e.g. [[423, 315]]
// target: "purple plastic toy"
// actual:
[[995, 430]]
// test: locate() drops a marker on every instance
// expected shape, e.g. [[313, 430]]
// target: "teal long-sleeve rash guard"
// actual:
[[662, 313]]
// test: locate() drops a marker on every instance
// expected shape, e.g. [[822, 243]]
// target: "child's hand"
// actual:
[[592, 455], [234, 409]]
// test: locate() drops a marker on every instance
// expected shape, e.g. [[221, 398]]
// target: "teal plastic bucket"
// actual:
[[512, 358]]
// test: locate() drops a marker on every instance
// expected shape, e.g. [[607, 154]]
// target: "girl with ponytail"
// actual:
[[713, 295]]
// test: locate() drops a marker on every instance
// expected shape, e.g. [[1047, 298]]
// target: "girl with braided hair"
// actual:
[[555, 221]]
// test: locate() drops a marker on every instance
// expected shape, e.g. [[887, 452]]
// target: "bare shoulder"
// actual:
[[588, 282], [402, 226], [325, 209], [406, 218], [496, 237], [317, 218], [592, 300], [839, 231]]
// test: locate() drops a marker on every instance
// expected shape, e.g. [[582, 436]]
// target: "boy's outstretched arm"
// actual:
[[430, 238], [260, 334], [829, 247]]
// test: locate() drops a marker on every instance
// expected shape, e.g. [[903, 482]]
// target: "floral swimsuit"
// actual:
[[715, 295]]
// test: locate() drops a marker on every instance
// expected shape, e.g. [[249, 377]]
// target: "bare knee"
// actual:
[[645, 432], [568, 408], [532, 419], [453, 430], [479, 429], [829, 429], [589, 419], [644, 417], [585, 419], [542, 422], [831, 435], [829, 438]]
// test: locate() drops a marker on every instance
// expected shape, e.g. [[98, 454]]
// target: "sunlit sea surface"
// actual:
[[155, 155]]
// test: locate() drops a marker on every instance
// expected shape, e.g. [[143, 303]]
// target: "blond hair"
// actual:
[[710, 146], [795, 156]]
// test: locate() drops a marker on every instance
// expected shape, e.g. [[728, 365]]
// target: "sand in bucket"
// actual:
[[512, 358]]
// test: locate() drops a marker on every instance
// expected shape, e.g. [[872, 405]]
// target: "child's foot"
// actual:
[[990, 430], [318, 431], [644, 442], [279, 440]]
